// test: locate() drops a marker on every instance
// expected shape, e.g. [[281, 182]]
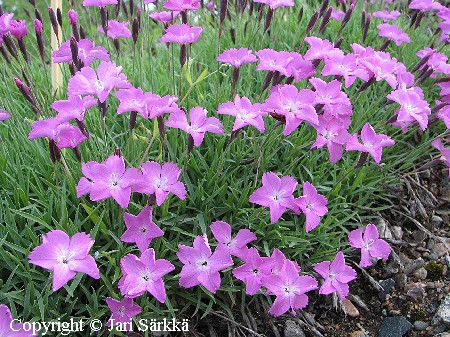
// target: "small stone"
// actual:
[[387, 287], [433, 256], [421, 273], [440, 249], [414, 265], [383, 229], [400, 279], [350, 309], [420, 325], [358, 333], [292, 329], [443, 312], [436, 221], [394, 327], [397, 231], [395, 312], [439, 329], [445, 334], [415, 291]]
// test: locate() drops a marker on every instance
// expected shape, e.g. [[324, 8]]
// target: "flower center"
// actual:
[[277, 195], [114, 181], [161, 183], [99, 86]]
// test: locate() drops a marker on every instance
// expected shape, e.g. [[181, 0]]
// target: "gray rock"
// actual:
[[414, 265], [443, 313], [400, 279], [397, 231], [383, 229], [436, 221], [438, 330], [292, 329], [440, 249], [387, 287], [434, 257], [415, 292], [420, 325], [421, 273], [394, 327]]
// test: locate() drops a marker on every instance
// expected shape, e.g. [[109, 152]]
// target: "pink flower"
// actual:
[[386, 15], [122, 311], [182, 5], [108, 179], [332, 132], [201, 266], [299, 68], [382, 66], [99, 3], [413, 106], [274, 4], [160, 180], [331, 96], [45, 128], [392, 32], [312, 204], [69, 136], [236, 246], [144, 274], [18, 28], [345, 66], [370, 244], [182, 34], [289, 289], [277, 194], [65, 256], [251, 271], [87, 52], [141, 229], [237, 57], [107, 78], [245, 113], [445, 152], [157, 106], [273, 265], [444, 115], [372, 143], [117, 29], [426, 5], [337, 14], [320, 49], [9, 326], [337, 275], [296, 106], [74, 107], [132, 99], [164, 17], [4, 115], [5, 20], [272, 60], [198, 126]]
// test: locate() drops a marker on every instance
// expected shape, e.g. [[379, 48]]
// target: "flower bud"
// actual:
[[59, 17], [135, 30], [312, 22], [73, 16], [38, 26], [53, 20]]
